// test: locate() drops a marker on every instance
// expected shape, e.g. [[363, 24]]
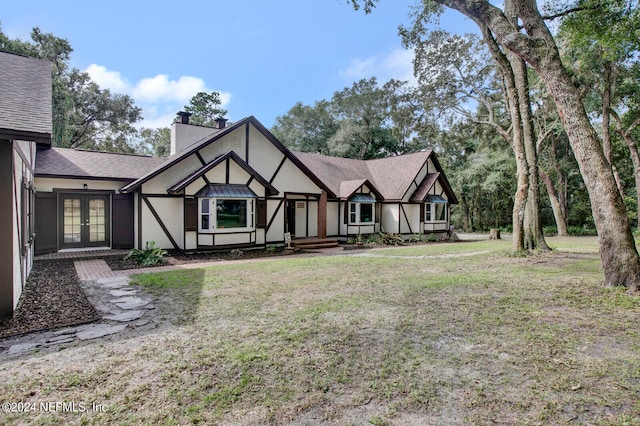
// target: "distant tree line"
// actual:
[[88, 117]]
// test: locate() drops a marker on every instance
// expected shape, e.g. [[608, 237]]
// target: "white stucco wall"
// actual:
[[45, 184], [276, 231], [171, 213], [333, 218]]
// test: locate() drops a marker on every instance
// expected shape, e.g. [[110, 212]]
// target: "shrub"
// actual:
[[271, 248], [390, 239], [578, 231], [150, 256], [415, 238], [372, 239]]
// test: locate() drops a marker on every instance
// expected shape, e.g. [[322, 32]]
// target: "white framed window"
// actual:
[[361, 213], [226, 214], [435, 212]]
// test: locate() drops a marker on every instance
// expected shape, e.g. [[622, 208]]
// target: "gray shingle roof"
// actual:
[[391, 176], [25, 97], [64, 162]]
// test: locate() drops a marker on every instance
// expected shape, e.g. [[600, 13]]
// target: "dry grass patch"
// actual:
[[346, 340]]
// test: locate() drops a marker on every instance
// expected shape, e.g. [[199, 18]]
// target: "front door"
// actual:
[[290, 220], [84, 221]]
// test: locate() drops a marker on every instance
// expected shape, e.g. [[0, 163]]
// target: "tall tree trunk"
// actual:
[[558, 214], [517, 141], [534, 237], [536, 45], [618, 253]]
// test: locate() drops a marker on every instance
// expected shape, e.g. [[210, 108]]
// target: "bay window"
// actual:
[[361, 213], [226, 213], [435, 208]]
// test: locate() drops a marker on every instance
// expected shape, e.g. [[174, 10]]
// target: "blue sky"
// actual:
[[262, 56]]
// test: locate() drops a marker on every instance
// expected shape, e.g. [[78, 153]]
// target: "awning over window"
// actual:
[[362, 198], [220, 190], [435, 199]]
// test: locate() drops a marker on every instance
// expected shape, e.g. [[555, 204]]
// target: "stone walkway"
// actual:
[[120, 306]]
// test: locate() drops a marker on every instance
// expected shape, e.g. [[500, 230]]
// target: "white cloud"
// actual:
[[159, 97], [397, 64]]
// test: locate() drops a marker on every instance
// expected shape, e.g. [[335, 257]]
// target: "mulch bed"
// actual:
[[174, 257], [52, 298]]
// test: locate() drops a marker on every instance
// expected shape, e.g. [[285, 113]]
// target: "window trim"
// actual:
[[213, 219], [431, 210], [358, 213]]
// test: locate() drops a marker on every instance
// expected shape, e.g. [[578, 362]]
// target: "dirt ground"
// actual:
[[52, 298]]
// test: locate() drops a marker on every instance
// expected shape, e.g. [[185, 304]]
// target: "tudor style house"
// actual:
[[231, 186], [25, 125]]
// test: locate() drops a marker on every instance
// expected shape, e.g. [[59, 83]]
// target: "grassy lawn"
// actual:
[[353, 340]]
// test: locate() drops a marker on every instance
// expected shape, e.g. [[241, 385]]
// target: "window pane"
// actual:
[[205, 221], [231, 213], [441, 212], [352, 218], [352, 207], [205, 205], [427, 212], [366, 213]]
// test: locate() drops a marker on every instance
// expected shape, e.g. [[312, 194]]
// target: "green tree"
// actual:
[[83, 114], [520, 29], [156, 142], [205, 108], [364, 122], [307, 128]]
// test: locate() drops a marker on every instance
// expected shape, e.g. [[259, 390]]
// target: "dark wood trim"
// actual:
[[226, 247], [275, 213], [226, 233], [227, 130], [89, 178], [83, 191], [160, 222], [12, 134], [249, 181], [204, 163], [301, 194], [246, 143], [307, 217], [278, 169], [6, 228], [163, 195], [406, 218], [227, 172], [139, 218], [399, 221], [202, 171], [206, 180]]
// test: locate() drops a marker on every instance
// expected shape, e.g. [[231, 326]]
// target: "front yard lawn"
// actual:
[[354, 340]]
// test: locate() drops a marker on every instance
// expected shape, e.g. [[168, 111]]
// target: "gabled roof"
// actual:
[[392, 177], [204, 169], [75, 163], [349, 187], [191, 149], [25, 98], [423, 189]]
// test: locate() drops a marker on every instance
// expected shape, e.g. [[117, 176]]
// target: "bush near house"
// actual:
[[150, 256]]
